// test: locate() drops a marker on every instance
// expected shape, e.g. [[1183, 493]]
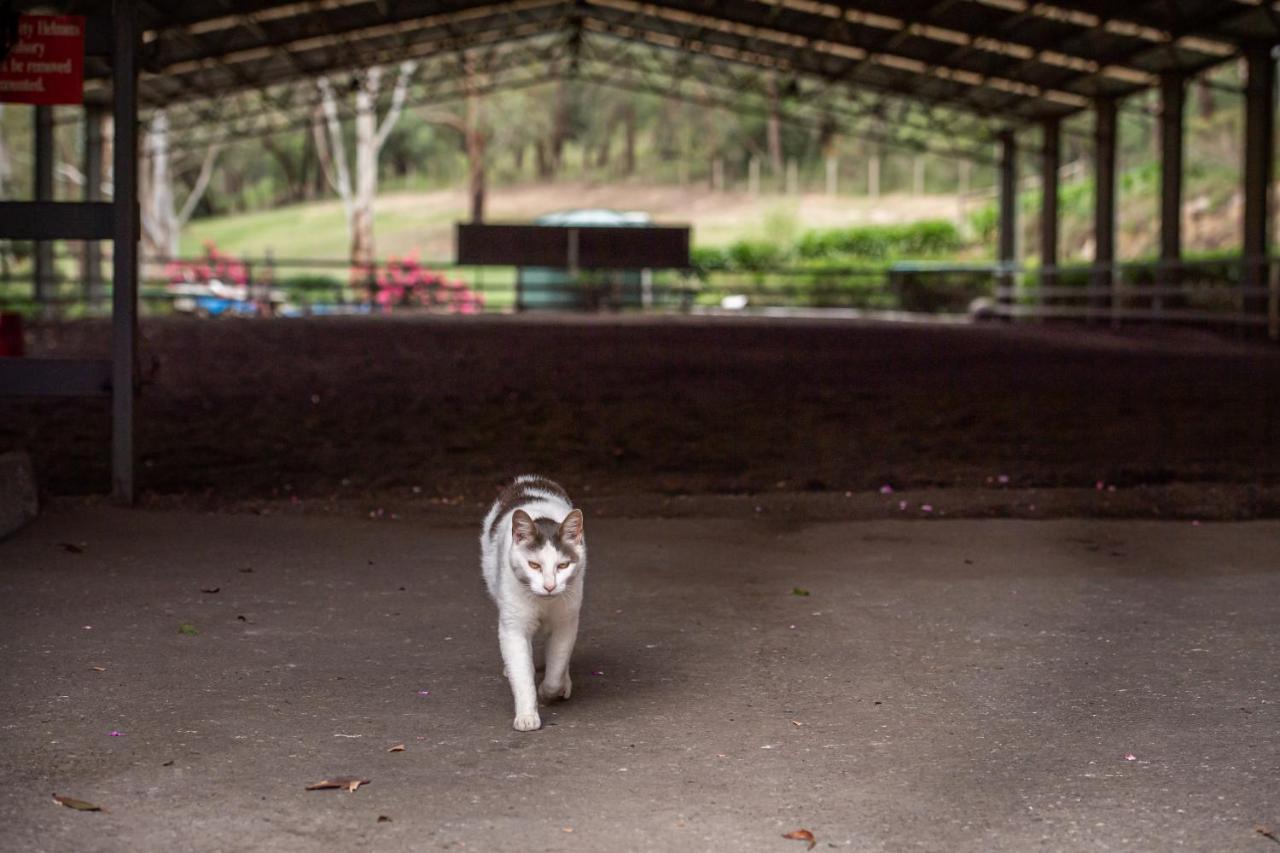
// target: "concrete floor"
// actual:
[[946, 685]]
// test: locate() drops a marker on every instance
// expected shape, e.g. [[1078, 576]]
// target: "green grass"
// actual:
[[319, 230]]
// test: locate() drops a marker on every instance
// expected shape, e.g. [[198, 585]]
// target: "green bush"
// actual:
[[929, 238], [311, 287], [755, 256], [703, 261], [834, 284]]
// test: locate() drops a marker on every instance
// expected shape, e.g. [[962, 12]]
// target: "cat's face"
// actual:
[[546, 556]]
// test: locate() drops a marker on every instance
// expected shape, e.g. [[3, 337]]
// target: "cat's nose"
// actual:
[[549, 585]]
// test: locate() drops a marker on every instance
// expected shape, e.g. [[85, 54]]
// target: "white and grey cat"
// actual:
[[533, 552]]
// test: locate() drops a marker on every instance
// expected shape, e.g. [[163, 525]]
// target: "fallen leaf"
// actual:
[[72, 547], [99, 668], [397, 748], [242, 618], [797, 723], [246, 570], [566, 829], [73, 803], [187, 629], [212, 590], [348, 783], [168, 763], [1266, 833], [801, 835], [799, 590], [383, 819]]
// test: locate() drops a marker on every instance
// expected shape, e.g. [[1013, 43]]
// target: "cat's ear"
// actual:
[[571, 529], [522, 527]]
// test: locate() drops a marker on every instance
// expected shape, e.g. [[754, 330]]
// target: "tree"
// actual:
[[370, 136], [162, 220], [475, 137]]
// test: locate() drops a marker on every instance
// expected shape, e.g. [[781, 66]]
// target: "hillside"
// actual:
[[423, 221]]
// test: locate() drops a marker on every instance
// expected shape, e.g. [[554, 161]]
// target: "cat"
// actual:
[[533, 553]]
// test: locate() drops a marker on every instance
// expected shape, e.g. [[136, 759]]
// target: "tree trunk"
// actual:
[[159, 229], [540, 150], [358, 196], [602, 153], [366, 177], [288, 167], [629, 152], [475, 138], [1205, 100], [774, 127]]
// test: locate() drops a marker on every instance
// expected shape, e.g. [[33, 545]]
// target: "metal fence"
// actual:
[[1224, 292]]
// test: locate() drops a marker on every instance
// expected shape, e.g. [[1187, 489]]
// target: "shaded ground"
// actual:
[[349, 408], [956, 685]]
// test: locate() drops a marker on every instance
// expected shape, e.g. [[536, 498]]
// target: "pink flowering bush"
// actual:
[[214, 266], [405, 282]]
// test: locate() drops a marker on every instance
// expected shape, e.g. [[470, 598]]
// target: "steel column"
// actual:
[[1008, 202], [43, 270], [1173, 91], [124, 272], [94, 115], [1259, 139], [1104, 198], [1050, 159]]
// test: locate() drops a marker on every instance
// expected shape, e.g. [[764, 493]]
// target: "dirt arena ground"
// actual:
[[438, 411]]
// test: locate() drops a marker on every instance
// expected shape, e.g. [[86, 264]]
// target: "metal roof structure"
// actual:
[[880, 68]]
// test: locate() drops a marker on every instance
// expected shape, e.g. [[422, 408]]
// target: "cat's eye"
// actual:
[[563, 566], [534, 565]]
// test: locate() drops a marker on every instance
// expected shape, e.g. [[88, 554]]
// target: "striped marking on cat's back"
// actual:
[[525, 490]]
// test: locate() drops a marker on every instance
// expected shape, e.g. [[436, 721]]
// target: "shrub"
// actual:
[[755, 256], [928, 238], [405, 282]]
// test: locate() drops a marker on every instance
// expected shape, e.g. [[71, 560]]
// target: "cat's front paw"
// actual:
[[547, 692], [527, 722]]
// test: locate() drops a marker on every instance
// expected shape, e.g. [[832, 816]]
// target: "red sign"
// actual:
[[46, 64]]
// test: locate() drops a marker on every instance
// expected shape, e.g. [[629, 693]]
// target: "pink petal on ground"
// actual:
[[1129, 756], [1099, 485], [902, 505], [115, 733], [424, 692], [597, 672], [926, 507], [886, 489], [1002, 479]]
